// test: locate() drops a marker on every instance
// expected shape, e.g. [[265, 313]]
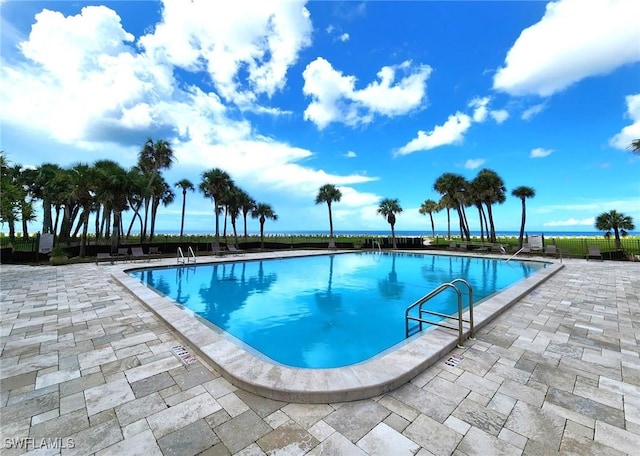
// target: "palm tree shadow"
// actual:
[[328, 301], [389, 287]]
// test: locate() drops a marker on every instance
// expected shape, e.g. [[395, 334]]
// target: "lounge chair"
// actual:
[[154, 251], [594, 252], [101, 256], [216, 249], [551, 250], [123, 253], [235, 250], [138, 254]]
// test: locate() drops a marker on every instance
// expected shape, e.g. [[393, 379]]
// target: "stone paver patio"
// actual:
[[87, 369]]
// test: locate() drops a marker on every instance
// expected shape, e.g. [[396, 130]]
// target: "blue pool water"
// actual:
[[330, 310]]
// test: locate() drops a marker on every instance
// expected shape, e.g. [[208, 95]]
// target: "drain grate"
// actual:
[[183, 354]]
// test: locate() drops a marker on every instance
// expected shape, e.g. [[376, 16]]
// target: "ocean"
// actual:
[[401, 233]]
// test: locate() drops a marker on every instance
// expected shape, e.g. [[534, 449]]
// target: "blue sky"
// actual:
[[378, 98]]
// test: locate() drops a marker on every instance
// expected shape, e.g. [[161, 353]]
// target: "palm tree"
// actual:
[[635, 146], [184, 184], [328, 194], [83, 191], [263, 211], [490, 188], [429, 207], [455, 186], [214, 185], [233, 203], [113, 191], [152, 159], [10, 196], [523, 193], [617, 222], [388, 208], [247, 204]]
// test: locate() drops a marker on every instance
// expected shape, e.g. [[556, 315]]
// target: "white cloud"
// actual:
[[84, 83], [261, 39], [499, 115], [451, 132], [574, 40], [344, 37], [539, 152], [630, 132], [571, 222], [480, 108], [336, 99], [474, 163], [350, 154], [533, 111]]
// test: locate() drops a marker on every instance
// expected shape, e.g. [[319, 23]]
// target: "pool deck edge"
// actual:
[[371, 378]]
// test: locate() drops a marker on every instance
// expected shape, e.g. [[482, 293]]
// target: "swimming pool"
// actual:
[[326, 311]]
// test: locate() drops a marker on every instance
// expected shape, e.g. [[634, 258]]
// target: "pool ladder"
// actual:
[[436, 291], [191, 257]]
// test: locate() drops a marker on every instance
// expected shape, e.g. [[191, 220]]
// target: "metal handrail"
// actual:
[[180, 258], [420, 302]]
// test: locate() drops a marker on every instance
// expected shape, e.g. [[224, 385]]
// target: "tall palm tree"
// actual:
[[247, 204], [233, 203], [489, 186], [152, 159], [446, 202], [10, 196], [616, 221], [523, 193], [113, 191], [429, 206], [388, 208], [165, 196], [263, 211], [214, 185], [455, 186], [83, 191], [328, 193], [184, 184], [635, 146]]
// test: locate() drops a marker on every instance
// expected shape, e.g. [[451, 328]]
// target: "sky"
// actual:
[[378, 98]]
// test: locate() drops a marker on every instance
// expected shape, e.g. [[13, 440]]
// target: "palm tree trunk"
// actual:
[[184, 202], [433, 227], [393, 237], [332, 242], [85, 230], [224, 228], [479, 206], [262, 234], [215, 211], [235, 234], [448, 223], [522, 222]]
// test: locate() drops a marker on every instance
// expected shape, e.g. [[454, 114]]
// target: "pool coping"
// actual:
[[370, 378]]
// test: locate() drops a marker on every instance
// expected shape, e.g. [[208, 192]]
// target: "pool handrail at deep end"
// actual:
[[436, 291]]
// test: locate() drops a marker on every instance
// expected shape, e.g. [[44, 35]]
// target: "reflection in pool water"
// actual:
[[330, 310]]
